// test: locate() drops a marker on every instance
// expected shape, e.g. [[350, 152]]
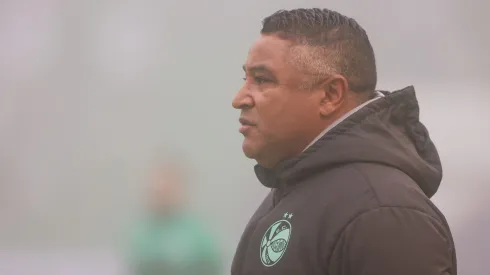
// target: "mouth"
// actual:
[[245, 125]]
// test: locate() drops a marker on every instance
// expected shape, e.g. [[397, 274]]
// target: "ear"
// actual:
[[335, 90]]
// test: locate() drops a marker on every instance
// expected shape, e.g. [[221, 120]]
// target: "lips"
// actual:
[[246, 125], [246, 122]]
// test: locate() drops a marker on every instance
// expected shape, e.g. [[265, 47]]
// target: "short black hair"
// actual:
[[334, 44]]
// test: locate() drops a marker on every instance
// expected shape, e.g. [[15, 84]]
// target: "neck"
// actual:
[[292, 147], [301, 144]]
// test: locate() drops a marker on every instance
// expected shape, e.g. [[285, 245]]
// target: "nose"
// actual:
[[242, 99]]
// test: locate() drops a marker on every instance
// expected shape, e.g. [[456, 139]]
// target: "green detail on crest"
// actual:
[[275, 241]]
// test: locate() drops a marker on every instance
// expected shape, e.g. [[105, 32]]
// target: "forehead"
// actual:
[[269, 51]]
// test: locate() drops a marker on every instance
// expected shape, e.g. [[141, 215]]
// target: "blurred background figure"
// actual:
[[170, 239]]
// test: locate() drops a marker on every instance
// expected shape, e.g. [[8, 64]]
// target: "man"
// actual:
[[351, 169], [170, 240]]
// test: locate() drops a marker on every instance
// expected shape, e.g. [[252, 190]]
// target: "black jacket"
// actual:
[[354, 203]]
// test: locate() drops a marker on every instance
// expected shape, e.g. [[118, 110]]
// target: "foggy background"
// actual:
[[90, 89]]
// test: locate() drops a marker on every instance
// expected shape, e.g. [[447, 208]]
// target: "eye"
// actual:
[[260, 80]]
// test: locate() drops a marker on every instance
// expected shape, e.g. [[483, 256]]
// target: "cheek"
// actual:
[[284, 116], [272, 118]]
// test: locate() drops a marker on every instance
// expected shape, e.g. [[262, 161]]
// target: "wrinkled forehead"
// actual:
[[269, 51]]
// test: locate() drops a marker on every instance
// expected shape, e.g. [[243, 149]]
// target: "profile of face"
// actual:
[[278, 117]]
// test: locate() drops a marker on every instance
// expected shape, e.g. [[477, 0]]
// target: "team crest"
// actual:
[[275, 241]]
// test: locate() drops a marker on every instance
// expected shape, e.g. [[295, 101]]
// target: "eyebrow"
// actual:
[[256, 69]]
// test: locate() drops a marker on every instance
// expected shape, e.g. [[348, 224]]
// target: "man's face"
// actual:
[[278, 118]]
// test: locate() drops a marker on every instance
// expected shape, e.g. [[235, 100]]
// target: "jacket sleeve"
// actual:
[[393, 241]]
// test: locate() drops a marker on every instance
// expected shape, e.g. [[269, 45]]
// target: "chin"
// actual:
[[250, 149], [257, 151]]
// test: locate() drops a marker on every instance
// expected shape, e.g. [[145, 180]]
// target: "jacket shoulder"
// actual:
[[366, 192], [360, 187], [391, 187]]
